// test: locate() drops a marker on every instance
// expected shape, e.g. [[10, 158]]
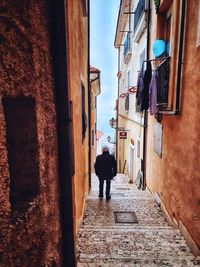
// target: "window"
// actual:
[[128, 79], [127, 45], [127, 102], [163, 71], [85, 7], [168, 34], [171, 18], [22, 146], [84, 117], [138, 13]]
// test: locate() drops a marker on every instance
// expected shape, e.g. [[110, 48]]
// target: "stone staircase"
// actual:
[[151, 242]]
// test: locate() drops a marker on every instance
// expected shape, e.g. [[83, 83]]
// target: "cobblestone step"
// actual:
[[140, 242], [127, 226], [102, 242], [99, 212], [142, 263]]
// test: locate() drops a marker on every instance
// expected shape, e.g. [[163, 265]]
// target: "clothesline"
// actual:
[[155, 59]]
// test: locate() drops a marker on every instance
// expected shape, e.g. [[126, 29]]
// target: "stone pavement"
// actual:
[[151, 242]]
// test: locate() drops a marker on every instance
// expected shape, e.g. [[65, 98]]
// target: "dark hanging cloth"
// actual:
[[163, 82], [153, 94], [147, 80], [142, 96], [140, 87]]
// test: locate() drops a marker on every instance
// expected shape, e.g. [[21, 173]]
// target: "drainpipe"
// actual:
[[143, 164], [180, 56]]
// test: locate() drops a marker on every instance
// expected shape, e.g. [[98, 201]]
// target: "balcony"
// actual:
[[127, 49]]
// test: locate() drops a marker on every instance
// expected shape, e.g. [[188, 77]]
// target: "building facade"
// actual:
[[170, 150], [172, 170], [130, 40], [44, 140]]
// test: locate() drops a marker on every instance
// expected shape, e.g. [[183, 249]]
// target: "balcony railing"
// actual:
[[138, 13]]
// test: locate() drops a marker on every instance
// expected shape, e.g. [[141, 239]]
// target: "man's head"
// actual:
[[105, 149]]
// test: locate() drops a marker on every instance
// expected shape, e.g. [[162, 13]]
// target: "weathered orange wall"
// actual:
[[32, 237], [77, 72], [176, 176]]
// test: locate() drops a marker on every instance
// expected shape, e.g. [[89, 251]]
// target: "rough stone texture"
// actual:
[[31, 238], [176, 176], [152, 242]]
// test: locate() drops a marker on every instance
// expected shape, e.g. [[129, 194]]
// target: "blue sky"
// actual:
[[103, 55]]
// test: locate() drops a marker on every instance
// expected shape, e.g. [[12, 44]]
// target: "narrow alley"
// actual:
[[101, 87], [150, 241]]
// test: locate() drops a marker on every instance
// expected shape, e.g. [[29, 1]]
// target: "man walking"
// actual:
[[105, 169]]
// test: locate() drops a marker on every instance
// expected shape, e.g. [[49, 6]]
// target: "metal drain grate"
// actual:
[[125, 217], [123, 188], [118, 194]]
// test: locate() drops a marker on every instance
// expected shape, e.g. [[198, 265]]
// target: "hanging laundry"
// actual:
[[140, 87], [147, 80], [142, 96], [153, 94]]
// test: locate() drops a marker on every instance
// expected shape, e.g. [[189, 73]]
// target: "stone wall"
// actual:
[[29, 226]]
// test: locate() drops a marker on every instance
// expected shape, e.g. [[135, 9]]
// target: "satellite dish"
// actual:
[[158, 47]]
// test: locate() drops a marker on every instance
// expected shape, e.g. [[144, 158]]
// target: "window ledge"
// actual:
[[169, 112]]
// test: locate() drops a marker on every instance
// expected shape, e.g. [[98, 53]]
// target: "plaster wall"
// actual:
[[29, 237], [130, 119], [176, 176], [77, 73], [134, 133]]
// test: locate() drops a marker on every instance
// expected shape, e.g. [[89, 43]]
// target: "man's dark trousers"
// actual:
[[101, 184]]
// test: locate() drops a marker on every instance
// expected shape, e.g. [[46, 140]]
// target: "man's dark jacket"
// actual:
[[105, 166]]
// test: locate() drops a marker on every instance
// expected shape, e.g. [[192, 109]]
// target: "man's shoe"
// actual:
[[108, 198], [100, 196]]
